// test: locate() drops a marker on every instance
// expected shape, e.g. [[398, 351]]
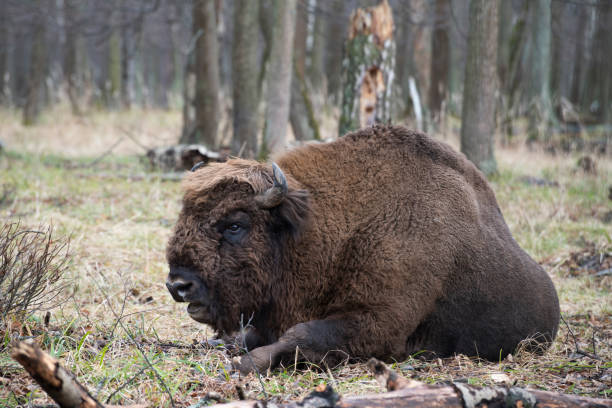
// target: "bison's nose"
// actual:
[[178, 289], [185, 285]]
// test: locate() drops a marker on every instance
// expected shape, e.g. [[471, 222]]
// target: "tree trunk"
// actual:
[[421, 50], [458, 46], [301, 113], [599, 80], [538, 89], [579, 41], [128, 47], [38, 64], [368, 69], [266, 23], [316, 72], [506, 21], [403, 61], [245, 78], [225, 33], [440, 58], [189, 92], [114, 68], [71, 15], [503, 41], [279, 78], [514, 75], [4, 54], [605, 61], [478, 115], [336, 34], [299, 37], [206, 68]]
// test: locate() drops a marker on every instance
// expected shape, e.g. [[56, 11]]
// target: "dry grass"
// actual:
[[119, 227]]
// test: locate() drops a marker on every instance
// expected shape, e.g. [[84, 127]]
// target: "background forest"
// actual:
[[215, 60], [93, 93]]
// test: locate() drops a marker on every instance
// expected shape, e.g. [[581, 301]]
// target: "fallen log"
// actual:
[[63, 387], [403, 392], [183, 157], [59, 383]]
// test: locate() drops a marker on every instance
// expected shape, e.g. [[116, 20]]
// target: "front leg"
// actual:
[[328, 341], [234, 343]]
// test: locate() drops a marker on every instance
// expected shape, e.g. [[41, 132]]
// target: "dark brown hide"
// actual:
[[387, 243]]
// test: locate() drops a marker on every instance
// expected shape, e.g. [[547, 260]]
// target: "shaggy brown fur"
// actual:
[[387, 243]]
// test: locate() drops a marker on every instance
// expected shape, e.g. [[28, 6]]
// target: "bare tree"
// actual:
[[71, 15], [336, 35], [478, 116], [4, 54], [245, 77], [421, 50], [440, 58], [316, 71], [503, 40], [301, 112], [38, 66], [599, 87], [131, 27], [279, 77], [206, 66], [538, 88]]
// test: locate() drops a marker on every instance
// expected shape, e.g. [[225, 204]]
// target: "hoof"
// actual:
[[243, 365]]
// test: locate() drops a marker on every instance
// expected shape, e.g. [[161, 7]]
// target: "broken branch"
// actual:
[[59, 383]]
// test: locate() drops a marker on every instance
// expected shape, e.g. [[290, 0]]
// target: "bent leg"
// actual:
[[328, 341]]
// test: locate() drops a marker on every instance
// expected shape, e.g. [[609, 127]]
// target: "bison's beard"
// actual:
[[223, 312], [214, 315], [200, 313]]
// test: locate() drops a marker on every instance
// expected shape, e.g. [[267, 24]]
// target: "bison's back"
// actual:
[[412, 226]]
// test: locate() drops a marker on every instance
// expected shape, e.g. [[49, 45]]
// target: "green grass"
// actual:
[[119, 225]]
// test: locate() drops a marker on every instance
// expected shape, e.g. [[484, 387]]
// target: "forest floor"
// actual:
[[119, 216]]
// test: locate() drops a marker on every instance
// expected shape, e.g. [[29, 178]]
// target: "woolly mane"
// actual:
[[256, 174]]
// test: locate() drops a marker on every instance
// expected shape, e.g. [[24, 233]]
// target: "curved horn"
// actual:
[[275, 194], [198, 165]]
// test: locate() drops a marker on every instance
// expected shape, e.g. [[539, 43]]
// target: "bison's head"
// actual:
[[224, 256]]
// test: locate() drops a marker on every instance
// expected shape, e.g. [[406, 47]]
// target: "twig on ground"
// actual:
[[126, 293], [593, 340], [578, 350], [125, 384]]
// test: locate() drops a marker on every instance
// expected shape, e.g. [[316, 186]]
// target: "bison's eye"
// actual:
[[234, 228], [234, 233]]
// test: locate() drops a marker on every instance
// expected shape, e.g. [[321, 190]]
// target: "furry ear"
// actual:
[[291, 215]]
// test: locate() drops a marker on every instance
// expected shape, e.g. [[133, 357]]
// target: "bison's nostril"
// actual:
[[179, 289], [182, 289]]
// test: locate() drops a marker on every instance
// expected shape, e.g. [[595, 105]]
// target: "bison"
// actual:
[[380, 244]]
